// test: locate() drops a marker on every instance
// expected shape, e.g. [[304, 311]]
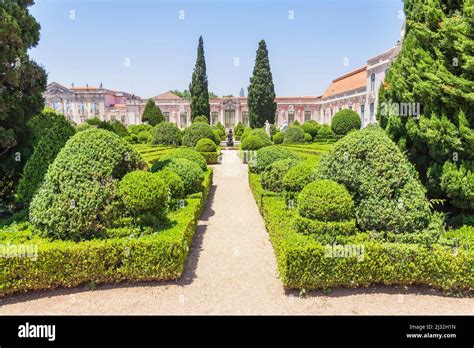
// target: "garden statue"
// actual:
[[230, 138], [267, 128], [284, 127]]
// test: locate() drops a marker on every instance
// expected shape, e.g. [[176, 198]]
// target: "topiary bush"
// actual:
[[308, 138], [298, 177], [94, 121], [344, 121], [188, 171], [189, 154], [311, 127], [217, 137], [269, 154], [325, 133], [325, 200], [166, 134], [144, 137], [272, 176], [173, 182], [294, 135], [203, 119], [387, 192], [239, 129], [144, 196], [278, 137], [205, 145], [114, 126], [51, 131], [252, 142], [245, 133], [76, 200], [262, 134], [195, 132]]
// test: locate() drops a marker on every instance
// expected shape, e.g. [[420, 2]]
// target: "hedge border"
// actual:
[[158, 256], [302, 261]]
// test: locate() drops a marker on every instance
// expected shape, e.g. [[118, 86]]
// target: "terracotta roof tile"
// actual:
[[348, 82], [167, 95]]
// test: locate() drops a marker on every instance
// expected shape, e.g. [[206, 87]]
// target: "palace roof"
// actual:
[[348, 82], [167, 95]]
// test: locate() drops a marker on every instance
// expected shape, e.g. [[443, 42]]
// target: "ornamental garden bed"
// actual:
[[317, 243]]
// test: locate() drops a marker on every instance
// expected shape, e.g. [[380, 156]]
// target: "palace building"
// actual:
[[356, 90]]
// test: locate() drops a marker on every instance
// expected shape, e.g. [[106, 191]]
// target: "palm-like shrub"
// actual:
[[166, 134], [344, 121], [76, 199]]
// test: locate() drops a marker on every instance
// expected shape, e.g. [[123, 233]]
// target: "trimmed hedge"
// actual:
[[156, 256], [167, 134], [298, 177], [76, 200], [294, 135], [267, 155], [196, 131], [272, 176], [173, 181], [278, 137], [305, 263], [344, 121], [187, 153], [211, 157]]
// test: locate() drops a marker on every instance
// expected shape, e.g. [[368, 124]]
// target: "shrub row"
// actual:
[[157, 256]]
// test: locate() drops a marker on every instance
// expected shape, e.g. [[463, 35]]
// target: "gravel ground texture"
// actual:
[[232, 270]]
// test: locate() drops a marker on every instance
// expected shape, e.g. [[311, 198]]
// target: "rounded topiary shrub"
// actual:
[[344, 121], [217, 136], [114, 126], [50, 132], [325, 133], [278, 137], [173, 181], [76, 199], [325, 200], [195, 132], [239, 129], [308, 138], [311, 127], [144, 136], [205, 145], [203, 119], [166, 134], [387, 192], [272, 176], [189, 154], [262, 134], [298, 177], [142, 192], [294, 135], [252, 142], [269, 154], [245, 133], [189, 172]]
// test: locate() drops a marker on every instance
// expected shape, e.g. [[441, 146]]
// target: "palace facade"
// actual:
[[356, 90]]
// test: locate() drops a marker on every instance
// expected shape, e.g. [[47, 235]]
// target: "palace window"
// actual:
[[214, 117], [166, 115], [183, 119], [307, 115], [81, 107], [372, 110], [291, 117], [362, 111], [372, 83], [245, 118], [122, 118]]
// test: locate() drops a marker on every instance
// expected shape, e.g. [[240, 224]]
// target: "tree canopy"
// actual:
[[198, 87]]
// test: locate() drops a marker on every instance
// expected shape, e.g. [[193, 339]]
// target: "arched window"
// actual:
[[184, 119], [372, 83], [307, 115], [291, 116]]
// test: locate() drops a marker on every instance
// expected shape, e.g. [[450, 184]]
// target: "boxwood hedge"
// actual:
[[156, 256]]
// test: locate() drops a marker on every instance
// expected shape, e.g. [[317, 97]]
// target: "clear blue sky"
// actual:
[[305, 52]]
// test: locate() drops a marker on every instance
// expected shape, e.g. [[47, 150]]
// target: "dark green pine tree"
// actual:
[[261, 91], [435, 68], [152, 113], [22, 83], [199, 86]]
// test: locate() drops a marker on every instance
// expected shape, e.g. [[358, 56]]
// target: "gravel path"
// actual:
[[232, 270]]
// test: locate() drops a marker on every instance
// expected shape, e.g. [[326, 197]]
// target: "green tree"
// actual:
[[261, 91], [435, 70], [22, 83], [152, 113], [198, 86]]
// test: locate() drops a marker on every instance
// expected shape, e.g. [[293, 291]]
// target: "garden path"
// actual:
[[231, 270]]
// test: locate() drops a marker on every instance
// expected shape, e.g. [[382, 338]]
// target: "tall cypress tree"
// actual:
[[435, 68], [198, 86], [261, 91], [22, 83], [152, 113]]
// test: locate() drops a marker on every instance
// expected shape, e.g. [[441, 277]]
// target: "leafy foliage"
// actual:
[[195, 132], [311, 127], [152, 113], [206, 145], [272, 176], [76, 200], [261, 91], [166, 134], [325, 133], [114, 126], [386, 189], [189, 154], [252, 142], [344, 121], [298, 177], [294, 135], [198, 87], [278, 137], [188, 171], [269, 154], [173, 182]]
